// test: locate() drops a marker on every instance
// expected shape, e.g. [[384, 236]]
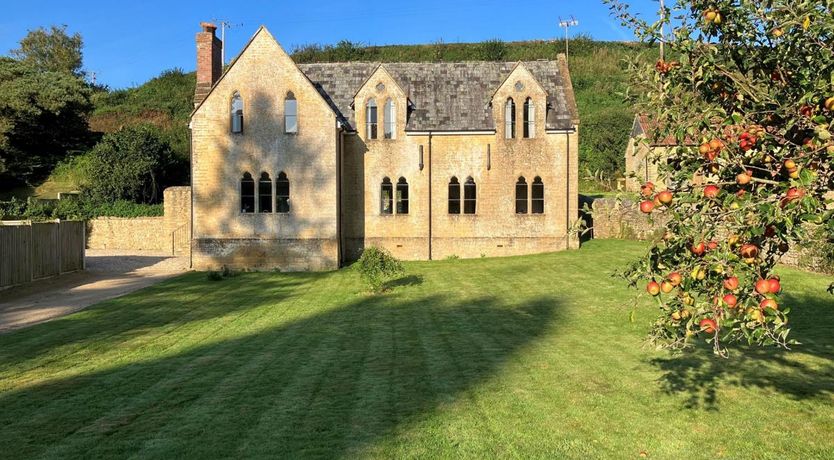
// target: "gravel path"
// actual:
[[109, 274]]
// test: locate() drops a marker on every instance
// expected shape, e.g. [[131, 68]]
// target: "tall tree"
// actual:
[[43, 116], [52, 50]]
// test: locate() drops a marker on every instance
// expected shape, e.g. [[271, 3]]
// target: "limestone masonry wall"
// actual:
[[131, 233], [170, 233]]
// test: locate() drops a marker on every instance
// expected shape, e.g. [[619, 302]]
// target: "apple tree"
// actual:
[[746, 91]]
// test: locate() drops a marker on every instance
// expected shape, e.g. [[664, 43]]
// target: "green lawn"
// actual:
[[518, 357]]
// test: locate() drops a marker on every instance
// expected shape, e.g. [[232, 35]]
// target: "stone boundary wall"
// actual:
[[128, 233], [170, 233], [625, 221]]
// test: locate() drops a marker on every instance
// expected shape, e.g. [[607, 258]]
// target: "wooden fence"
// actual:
[[34, 250]]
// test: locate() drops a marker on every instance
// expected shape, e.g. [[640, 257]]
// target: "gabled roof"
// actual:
[[643, 126], [445, 96]]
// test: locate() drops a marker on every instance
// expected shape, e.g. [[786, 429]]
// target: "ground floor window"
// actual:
[[454, 196], [402, 196], [247, 193], [386, 196], [265, 193], [469, 196], [538, 196], [282, 193]]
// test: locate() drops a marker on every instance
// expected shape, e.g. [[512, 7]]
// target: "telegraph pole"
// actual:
[[567, 23], [224, 24]]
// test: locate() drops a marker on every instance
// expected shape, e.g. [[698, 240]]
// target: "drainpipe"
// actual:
[[340, 146], [191, 189], [567, 176], [430, 200]]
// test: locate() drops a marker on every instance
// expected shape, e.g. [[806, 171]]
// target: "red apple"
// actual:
[[675, 278], [749, 251], [646, 207], [708, 325], [768, 303], [762, 287], [699, 249], [711, 192], [731, 300], [743, 178], [647, 189], [665, 197], [774, 285], [653, 288], [666, 286], [712, 245], [731, 283]]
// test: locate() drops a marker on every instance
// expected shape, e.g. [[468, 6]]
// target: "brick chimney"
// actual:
[[209, 66]]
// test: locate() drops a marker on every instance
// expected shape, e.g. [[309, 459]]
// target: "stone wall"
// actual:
[[170, 233], [128, 233], [623, 220]]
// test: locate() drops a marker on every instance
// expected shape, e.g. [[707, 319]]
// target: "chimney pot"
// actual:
[[208, 27]]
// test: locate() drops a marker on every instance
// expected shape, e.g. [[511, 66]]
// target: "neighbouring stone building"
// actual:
[[301, 166]]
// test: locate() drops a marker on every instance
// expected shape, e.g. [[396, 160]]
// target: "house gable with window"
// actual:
[[313, 162]]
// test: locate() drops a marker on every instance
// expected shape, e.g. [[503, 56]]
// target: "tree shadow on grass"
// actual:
[[804, 372], [330, 384], [405, 281]]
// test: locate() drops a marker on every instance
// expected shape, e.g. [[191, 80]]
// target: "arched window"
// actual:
[[237, 113], [386, 194], [290, 114], [265, 193], [247, 193], [469, 196], [390, 115], [529, 119], [282, 193], [371, 119], [521, 196], [538, 196], [402, 196], [454, 196], [509, 119]]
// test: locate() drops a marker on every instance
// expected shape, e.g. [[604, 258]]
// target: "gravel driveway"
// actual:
[[109, 274]]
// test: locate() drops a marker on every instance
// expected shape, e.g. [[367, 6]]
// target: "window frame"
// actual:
[[401, 197], [509, 119], [529, 121], [389, 120], [521, 185], [537, 183], [281, 198], [386, 203], [290, 99], [470, 186], [455, 185], [261, 196], [236, 113], [371, 122], [247, 180]]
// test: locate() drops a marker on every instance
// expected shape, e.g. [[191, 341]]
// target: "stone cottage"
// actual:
[[301, 166]]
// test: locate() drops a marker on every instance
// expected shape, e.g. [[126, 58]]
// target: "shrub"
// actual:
[[492, 50], [80, 207], [376, 266], [130, 164]]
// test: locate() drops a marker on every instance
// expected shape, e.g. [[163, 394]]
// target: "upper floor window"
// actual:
[[265, 193], [454, 196], [290, 114], [237, 113], [529, 119], [469, 196], [282, 193], [386, 195], [509, 119], [402, 196], [247, 193], [371, 119], [521, 196], [390, 115]]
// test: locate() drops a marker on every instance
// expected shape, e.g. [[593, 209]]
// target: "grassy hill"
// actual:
[[596, 70]]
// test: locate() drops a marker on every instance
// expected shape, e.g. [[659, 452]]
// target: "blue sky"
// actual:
[[126, 43]]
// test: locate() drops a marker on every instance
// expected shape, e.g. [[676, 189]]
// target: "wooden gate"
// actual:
[[31, 251]]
